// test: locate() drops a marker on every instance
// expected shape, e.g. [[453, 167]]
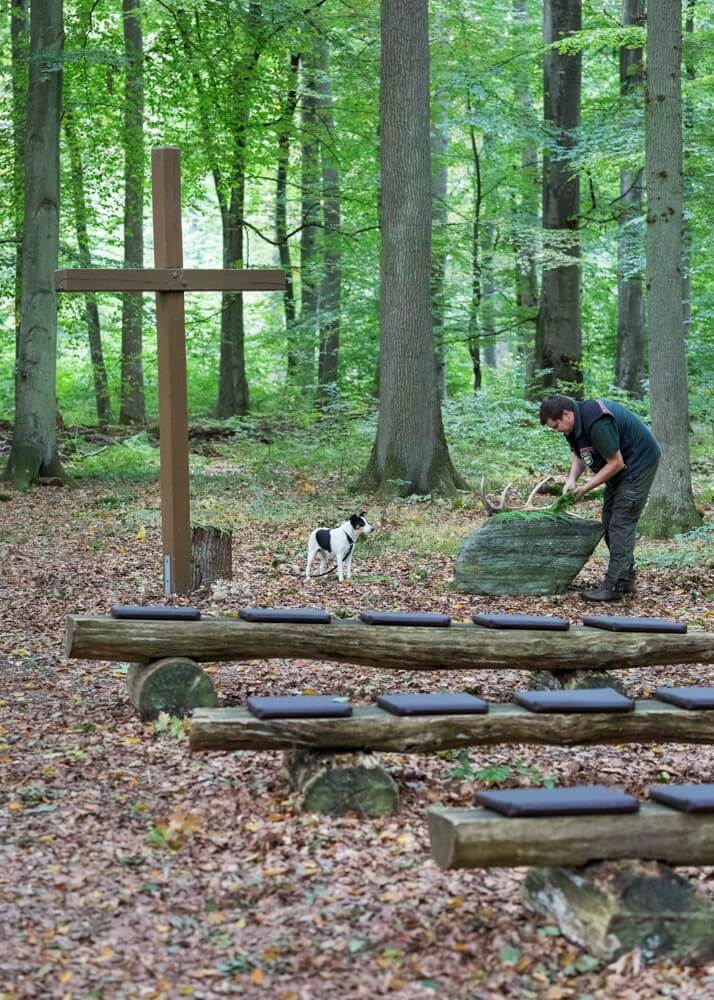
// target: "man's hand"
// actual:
[[580, 491], [569, 486]]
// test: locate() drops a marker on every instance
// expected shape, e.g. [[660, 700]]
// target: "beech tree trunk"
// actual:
[[19, 37], [34, 445], [558, 351], [310, 213], [474, 330], [671, 507], [94, 334], [331, 288], [439, 210], [410, 454], [131, 409], [281, 215], [212, 556], [630, 345]]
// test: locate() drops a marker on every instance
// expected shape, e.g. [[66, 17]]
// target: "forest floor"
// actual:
[[130, 869]]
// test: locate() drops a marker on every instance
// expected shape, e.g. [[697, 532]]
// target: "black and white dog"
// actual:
[[338, 542]]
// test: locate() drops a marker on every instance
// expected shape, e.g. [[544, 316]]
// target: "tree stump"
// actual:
[[529, 555], [611, 908], [336, 783], [175, 685], [211, 556]]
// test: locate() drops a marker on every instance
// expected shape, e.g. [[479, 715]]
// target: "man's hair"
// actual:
[[553, 407]]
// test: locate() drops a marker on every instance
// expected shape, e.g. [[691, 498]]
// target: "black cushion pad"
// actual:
[[156, 612], [686, 697], [426, 618], [617, 624], [522, 621], [581, 700], [299, 707], [311, 616], [579, 801], [432, 704], [688, 798]]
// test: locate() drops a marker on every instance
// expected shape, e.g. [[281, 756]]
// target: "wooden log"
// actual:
[[371, 727], [611, 908], [212, 555], [175, 685], [334, 784], [459, 647], [479, 838]]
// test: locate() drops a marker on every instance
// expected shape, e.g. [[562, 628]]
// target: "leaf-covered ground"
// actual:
[[130, 869]]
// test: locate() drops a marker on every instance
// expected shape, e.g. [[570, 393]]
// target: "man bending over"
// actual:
[[619, 451]]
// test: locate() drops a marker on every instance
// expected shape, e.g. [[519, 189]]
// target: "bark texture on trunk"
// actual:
[[94, 334], [671, 507], [310, 215], [132, 410], [410, 454], [212, 556], [281, 215], [34, 445], [558, 351], [630, 345], [331, 288], [19, 38]]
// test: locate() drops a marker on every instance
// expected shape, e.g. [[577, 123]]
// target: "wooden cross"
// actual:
[[170, 281]]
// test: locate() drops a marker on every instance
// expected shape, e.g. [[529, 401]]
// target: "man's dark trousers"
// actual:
[[621, 511]]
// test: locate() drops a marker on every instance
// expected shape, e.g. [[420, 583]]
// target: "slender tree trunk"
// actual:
[[630, 348], [488, 301], [309, 278], [558, 341], [474, 328], [686, 227], [281, 215], [233, 385], [34, 446], [528, 220], [410, 454], [132, 408], [671, 507], [19, 25], [99, 371], [331, 288]]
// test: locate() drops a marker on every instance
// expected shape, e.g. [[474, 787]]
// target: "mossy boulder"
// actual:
[[531, 555]]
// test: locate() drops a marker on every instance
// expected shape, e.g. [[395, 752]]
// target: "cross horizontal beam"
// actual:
[[165, 279]]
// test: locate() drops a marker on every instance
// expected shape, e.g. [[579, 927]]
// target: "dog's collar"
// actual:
[[351, 539]]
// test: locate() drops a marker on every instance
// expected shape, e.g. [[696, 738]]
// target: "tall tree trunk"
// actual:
[[671, 507], [528, 218], [558, 340], [19, 25], [34, 445], [79, 200], [630, 347], [281, 215], [331, 288], [439, 210], [233, 385], [310, 201], [410, 454], [686, 227], [474, 326], [131, 408], [488, 299]]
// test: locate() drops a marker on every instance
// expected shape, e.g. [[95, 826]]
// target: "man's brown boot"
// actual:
[[602, 594]]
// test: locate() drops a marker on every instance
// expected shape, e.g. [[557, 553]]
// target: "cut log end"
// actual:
[[175, 685], [610, 908], [334, 784]]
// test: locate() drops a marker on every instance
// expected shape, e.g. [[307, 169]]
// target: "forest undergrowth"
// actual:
[[130, 869]]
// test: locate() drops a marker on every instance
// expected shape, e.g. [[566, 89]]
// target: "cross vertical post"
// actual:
[[171, 353]]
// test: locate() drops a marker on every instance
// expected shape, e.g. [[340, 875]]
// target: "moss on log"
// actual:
[[175, 685], [459, 647], [334, 784], [479, 838], [529, 555], [612, 908], [370, 727]]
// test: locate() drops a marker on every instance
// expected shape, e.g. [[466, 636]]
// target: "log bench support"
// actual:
[[611, 892], [175, 685], [335, 783]]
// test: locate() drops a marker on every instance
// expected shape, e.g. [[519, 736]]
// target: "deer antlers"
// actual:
[[501, 508]]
